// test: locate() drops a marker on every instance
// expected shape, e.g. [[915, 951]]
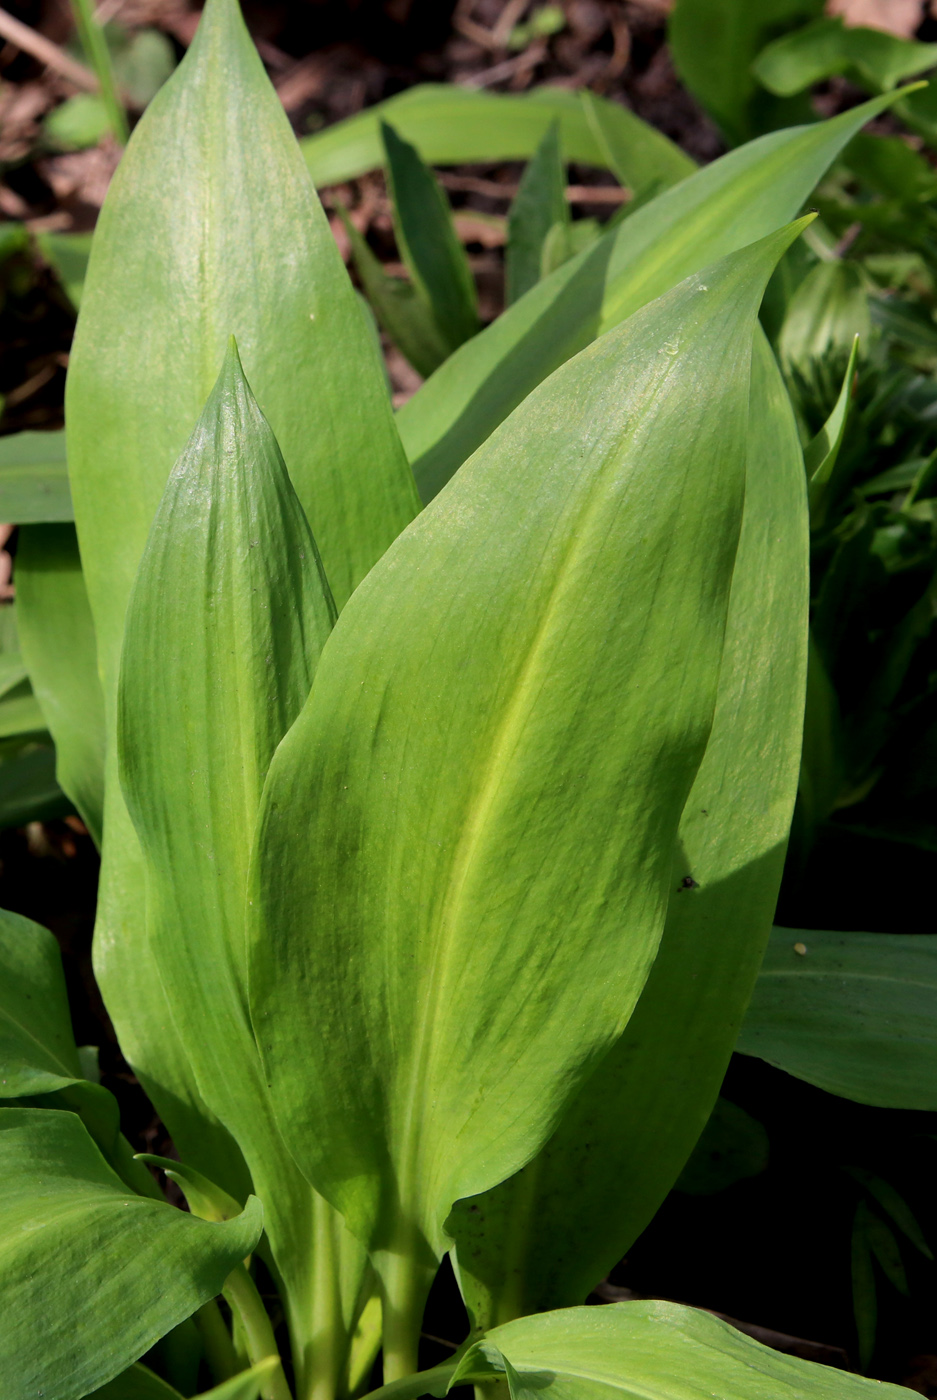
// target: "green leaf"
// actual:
[[449, 125], [20, 712], [137, 1383], [492, 950], [856, 1014], [404, 314], [59, 648], [37, 1048], [821, 453], [827, 312], [212, 677], [864, 1296], [546, 1237], [713, 43], [92, 1275], [540, 203], [77, 123], [68, 253], [733, 1146], [34, 478], [649, 1351], [827, 48], [198, 240], [203, 1197], [894, 1204], [639, 164], [427, 240], [28, 790], [723, 207]]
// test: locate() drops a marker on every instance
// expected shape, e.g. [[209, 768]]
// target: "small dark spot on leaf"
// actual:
[[688, 883]]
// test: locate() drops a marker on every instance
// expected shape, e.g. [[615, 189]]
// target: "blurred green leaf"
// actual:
[[637, 162], [828, 48], [77, 123], [732, 1147], [894, 1204], [34, 478], [827, 311], [68, 253], [142, 63], [539, 204]]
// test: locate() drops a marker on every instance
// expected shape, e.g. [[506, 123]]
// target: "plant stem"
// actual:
[[404, 1295], [241, 1293], [216, 1340], [98, 55]]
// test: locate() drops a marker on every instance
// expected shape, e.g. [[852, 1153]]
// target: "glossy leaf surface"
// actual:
[[427, 240], [93, 1275], [212, 676], [491, 949], [856, 1014], [723, 207], [540, 203], [650, 1351], [34, 478], [546, 1237], [450, 125], [60, 650]]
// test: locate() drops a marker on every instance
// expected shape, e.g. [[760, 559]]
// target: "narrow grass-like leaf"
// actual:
[[540, 203], [212, 676], [491, 948], [405, 315], [655, 1351], [92, 1275], [856, 1014], [34, 478], [427, 240], [821, 453], [59, 647], [546, 1237], [730, 203], [449, 125]]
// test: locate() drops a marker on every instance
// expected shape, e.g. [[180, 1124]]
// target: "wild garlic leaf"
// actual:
[[92, 1274], [540, 203], [854, 1013], [463, 950], [721, 208], [544, 1238], [649, 1351], [59, 646]]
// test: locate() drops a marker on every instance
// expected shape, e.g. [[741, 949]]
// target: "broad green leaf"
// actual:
[[198, 239], [34, 478], [827, 48], [449, 125], [427, 240], [37, 1048], [638, 165], [540, 203], [91, 1274], [723, 207], [57, 634], [649, 1351], [492, 950], [545, 1238], [12, 671], [212, 676], [713, 43], [827, 312], [68, 253], [404, 314], [856, 1014]]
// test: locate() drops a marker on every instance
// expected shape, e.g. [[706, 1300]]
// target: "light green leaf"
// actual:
[[713, 43], [639, 164], [77, 123], [827, 48], [59, 647], [546, 1237], [649, 1351], [68, 253], [198, 239], [212, 676], [248, 1385], [449, 125], [827, 312], [540, 203], [427, 240], [92, 1275], [34, 478], [856, 1014], [20, 712], [491, 948], [404, 314], [723, 207], [203, 1197]]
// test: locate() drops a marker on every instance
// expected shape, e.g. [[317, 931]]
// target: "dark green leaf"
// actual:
[[540, 203], [856, 1014], [733, 1146]]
